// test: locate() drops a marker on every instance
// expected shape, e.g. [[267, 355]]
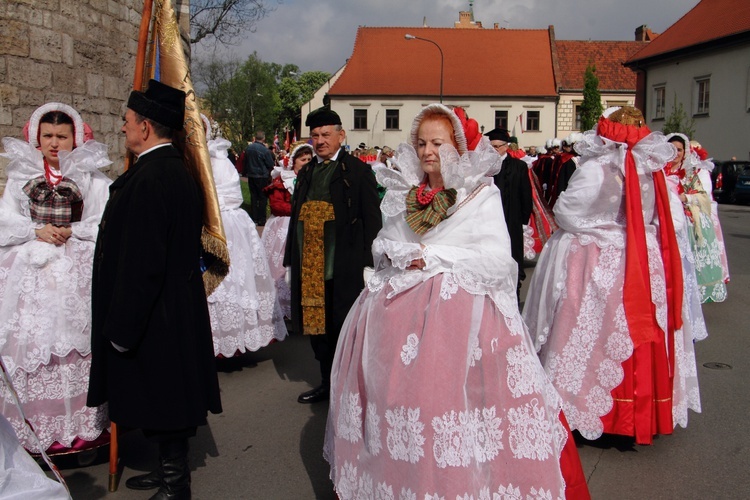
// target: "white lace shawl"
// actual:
[[226, 178], [80, 165], [472, 245], [593, 204]]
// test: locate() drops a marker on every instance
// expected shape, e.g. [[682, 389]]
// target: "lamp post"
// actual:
[[412, 37]]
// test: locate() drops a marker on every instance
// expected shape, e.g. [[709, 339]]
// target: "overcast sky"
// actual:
[[319, 34]]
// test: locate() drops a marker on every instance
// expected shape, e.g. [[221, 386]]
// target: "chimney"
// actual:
[[644, 34]]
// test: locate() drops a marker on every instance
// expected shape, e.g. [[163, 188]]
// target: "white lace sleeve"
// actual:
[[16, 226], [94, 200], [82, 166], [26, 161], [653, 152]]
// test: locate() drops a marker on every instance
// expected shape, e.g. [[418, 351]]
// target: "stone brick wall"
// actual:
[[79, 52]]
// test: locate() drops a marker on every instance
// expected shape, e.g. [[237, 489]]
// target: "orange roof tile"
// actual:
[[608, 56], [708, 21], [477, 62]]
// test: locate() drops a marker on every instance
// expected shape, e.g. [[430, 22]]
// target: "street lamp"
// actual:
[[412, 37]]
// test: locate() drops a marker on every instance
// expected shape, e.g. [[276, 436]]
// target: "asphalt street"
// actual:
[[267, 446]]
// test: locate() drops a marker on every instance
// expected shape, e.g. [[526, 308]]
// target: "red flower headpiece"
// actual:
[[471, 128]]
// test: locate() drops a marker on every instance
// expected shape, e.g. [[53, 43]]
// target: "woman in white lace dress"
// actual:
[[279, 194], [436, 390], [605, 304], [49, 216], [244, 309]]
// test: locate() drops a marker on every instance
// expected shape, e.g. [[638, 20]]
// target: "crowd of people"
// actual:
[[404, 268]]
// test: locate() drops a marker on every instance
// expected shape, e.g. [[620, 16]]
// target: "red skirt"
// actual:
[[643, 401], [570, 466]]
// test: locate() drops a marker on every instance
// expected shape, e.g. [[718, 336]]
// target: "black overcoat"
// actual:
[[356, 208], [515, 189], [148, 297]]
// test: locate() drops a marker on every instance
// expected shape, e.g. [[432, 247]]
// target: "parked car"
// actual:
[[724, 178], [742, 188]]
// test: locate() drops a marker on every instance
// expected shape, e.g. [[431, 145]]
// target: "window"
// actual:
[[577, 125], [391, 119], [532, 121], [703, 89], [501, 119], [660, 103], [360, 119]]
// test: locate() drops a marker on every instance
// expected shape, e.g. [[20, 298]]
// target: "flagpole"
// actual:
[[140, 62]]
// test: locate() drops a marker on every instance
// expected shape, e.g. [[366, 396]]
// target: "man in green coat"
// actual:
[[335, 218]]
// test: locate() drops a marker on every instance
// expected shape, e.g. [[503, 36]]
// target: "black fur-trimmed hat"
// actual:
[[161, 103], [322, 117]]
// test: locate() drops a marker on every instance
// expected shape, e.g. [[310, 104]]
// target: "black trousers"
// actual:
[[324, 345], [258, 199], [161, 435]]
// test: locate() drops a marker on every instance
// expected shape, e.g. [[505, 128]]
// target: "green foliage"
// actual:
[[678, 120], [254, 95], [591, 107], [294, 92]]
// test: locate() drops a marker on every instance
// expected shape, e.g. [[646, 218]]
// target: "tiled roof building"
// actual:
[[701, 62], [521, 79]]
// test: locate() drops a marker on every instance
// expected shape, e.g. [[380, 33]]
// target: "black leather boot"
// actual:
[[145, 481], [175, 472]]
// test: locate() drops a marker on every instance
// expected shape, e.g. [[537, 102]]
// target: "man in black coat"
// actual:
[[151, 336], [335, 218], [515, 189]]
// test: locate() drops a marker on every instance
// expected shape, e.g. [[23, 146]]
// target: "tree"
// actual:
[[225, 20], [678, 121], [242, 97], [294, 92], [591, 107]]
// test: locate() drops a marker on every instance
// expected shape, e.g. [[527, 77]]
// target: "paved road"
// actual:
[[267, 446]]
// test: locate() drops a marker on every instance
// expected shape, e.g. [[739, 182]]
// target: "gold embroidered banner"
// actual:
[[174, 71]]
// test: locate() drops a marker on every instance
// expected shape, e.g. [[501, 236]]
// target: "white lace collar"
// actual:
[[464, 173]]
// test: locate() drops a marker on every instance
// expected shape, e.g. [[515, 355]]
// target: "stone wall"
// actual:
[[79, 52]]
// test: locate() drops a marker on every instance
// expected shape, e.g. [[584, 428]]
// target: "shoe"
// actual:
[[316, 395], [145, 481]]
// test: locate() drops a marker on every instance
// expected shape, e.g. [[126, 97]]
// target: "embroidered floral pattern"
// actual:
[[514, 324], [530, 431], [407, 494], [467, 436], [410, 350], [475, 352], [383, 492], [508, 493], [448, 287], [347, 483], [244, 309], [405, 439], [523, 372], [372, 428], [349, 425], [567, 368]]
